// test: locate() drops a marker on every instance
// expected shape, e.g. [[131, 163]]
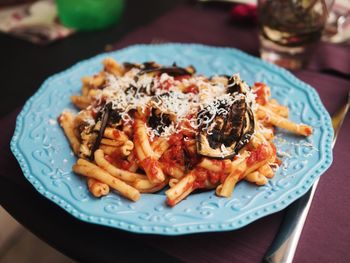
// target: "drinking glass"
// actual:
[[290, 29]]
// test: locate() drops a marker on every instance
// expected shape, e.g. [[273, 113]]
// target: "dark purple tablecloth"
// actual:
[[326, 236]]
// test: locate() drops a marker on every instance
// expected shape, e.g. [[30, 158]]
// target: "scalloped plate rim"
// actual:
[[268, 208]]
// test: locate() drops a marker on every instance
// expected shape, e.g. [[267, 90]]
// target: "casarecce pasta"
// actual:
[[144, 127]]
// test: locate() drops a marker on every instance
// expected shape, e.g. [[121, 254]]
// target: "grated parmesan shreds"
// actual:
[[133, 91]]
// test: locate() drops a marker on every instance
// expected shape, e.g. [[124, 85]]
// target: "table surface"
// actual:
[[25, 66]]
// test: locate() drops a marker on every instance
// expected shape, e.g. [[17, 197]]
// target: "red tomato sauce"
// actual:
[[170, 202], [224, 167], [262, 92], [180, 78], [258, 155], [116, 134], [166, 85], [93, 114], [273, 147], [308, 131], [203, 175], [176, 138], [151, 166], [176, 153], [118, 161], [192, 89]]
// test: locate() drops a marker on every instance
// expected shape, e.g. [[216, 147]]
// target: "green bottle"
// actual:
[[89, 14]]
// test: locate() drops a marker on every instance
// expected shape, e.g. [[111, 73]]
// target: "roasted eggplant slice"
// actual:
[[229, 128], [248, 129], [235, 84], [158, 121], [173, 71], [144, 66], [153, 67], [102, 123], [147, 90]]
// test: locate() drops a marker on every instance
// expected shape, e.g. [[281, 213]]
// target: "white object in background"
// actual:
[[338, 25], [36, 22]]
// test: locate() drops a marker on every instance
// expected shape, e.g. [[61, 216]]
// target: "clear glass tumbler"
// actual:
[[290, 29]]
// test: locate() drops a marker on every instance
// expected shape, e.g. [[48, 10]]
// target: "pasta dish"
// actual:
[[146, 127]]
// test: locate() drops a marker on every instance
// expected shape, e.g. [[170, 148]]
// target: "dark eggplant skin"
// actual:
[[226, 129], [114, 115], [133, 90], [128, 65], [158, 121], [144, 66], [153, 67], [234, 122], [173, 71], [246, 136], [150, 65], [233, 130], [234, 85], [221, 75], [104, 121]]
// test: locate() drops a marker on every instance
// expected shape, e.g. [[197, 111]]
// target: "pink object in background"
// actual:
[[244, 13]]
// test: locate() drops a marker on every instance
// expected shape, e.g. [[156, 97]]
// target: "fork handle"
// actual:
[[284, 246]]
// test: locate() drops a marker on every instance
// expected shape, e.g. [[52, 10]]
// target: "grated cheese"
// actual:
[[132, 91]]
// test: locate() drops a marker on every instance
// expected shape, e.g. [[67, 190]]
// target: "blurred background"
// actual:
[[19, 245], [56, 34]]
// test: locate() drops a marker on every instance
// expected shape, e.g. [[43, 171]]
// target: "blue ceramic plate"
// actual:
[[46, 159]]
